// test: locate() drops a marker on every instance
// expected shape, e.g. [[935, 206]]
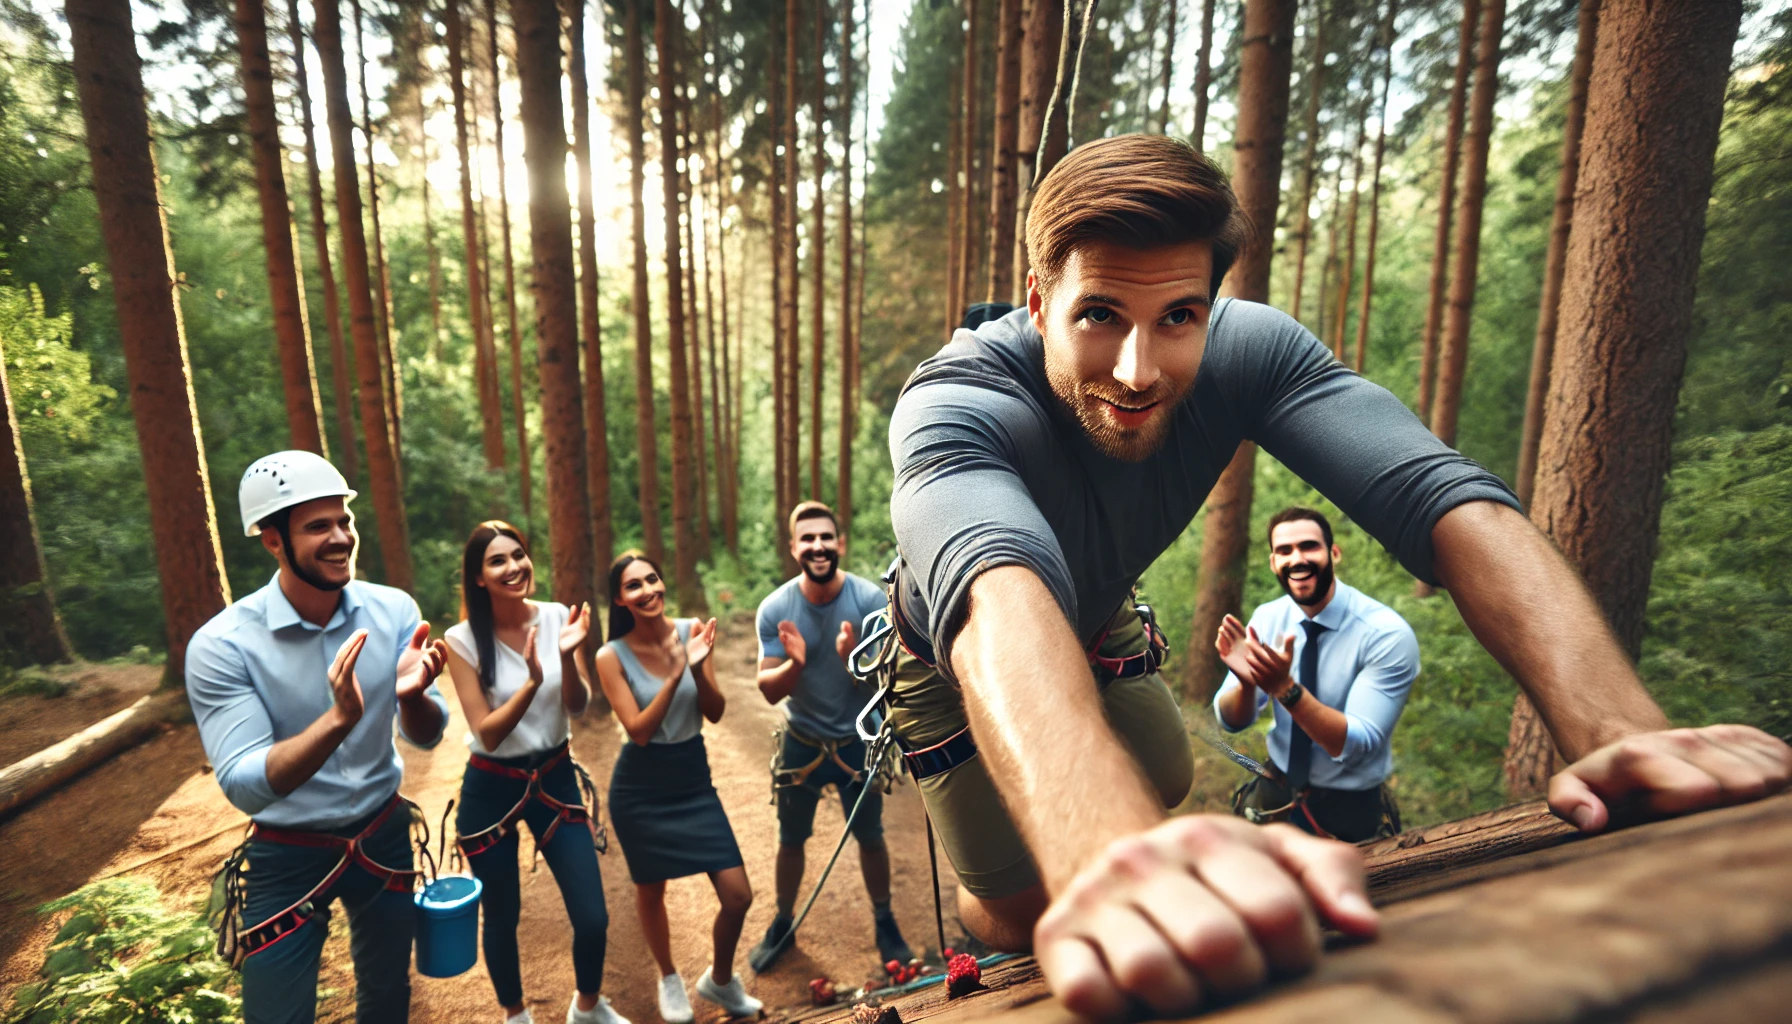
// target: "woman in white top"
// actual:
[[517, 708], [661, 683]]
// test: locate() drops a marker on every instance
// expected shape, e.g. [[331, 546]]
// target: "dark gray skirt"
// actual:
[[667, 815]]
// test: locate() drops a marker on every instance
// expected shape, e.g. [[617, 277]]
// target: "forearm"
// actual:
[[1328, 726], [292, 761], [502, 720], [1238, 705], [710, 701], [647, 721], [1534, 615], [1037, 717], [780, 680], [575, 685], [421, 718]]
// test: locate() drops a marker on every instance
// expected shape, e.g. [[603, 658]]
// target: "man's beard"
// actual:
[[1080, 397], [1322, 583], [306, 572], [827, 577]]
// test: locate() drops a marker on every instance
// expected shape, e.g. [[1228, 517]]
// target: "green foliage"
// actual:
[[53, 392], [122, 957]]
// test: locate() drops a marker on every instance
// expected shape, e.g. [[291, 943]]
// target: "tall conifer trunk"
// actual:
[[776, 243], [1446, 209], [1266, 62], [342, 392], [1003, 168], [848, 348], [555, 290], [1381, 141], [292, 327], [29, 625], [1040, 39], [478, 315], [1347, 271], [971, 92], [666, 28], [597, 431], [1203, 74], [1163, 117], [955, 199], [127, 190], [793, 347], [431, 256], [646, 431], [694, 315], [384, 324], [818, 247], [524, 462], [1315, 87]]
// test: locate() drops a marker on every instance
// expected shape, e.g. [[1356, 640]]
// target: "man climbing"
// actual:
[[295, 689], [806, 630], [1357, 659], [1043, 462]]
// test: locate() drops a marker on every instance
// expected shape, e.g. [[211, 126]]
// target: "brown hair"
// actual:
[[1295, 514], [1136, 190], [811, 510]]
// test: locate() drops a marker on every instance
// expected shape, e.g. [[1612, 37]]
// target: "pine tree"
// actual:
[[478, 315], [1381, 141], [1203, 74], [1040, 40], [1003, 165], [519, 411], [666, 28], [597, 431], [818, 245], [848, 340], [1163, 117], [1446, 209], [646, 431], [385, 325], [1314, 84], [29, 625]]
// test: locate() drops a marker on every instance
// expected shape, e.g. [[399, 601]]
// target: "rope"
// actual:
[[933, 865]]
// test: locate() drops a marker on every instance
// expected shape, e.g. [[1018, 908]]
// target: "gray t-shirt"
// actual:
[[993, 470], [683, 718], [826, 700]]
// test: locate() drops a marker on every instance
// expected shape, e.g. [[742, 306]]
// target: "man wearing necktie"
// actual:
[[1353, 661]]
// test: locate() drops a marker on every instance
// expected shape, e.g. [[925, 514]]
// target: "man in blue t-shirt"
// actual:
[[807, 627]]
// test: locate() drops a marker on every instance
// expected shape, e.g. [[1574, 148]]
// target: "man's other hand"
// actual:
[[1675, 771], [795, 647], [421, 662], [846, 641], [1197, 905]]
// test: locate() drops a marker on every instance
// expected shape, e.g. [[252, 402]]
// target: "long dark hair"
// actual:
[[622, 621], [476, 601]]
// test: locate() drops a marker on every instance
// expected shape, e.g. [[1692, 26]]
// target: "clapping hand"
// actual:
[[795, 647], [1230, 643], [702, 641], [578, 625], [1270, 666], [530, 658], [418, 664], [345, 687], [844, 643]]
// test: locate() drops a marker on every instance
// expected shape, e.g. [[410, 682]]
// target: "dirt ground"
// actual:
[[155, 812]]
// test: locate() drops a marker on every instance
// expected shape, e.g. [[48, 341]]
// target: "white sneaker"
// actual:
[[675, 1002], [731, 997], [602, 1013], [520, 1018]]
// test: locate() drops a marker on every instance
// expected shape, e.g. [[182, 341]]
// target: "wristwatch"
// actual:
[[1292, 695]]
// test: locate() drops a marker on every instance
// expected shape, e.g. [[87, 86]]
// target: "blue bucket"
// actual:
[[448, 926]]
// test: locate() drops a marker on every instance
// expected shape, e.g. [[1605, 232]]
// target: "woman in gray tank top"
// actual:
[[661, 683]]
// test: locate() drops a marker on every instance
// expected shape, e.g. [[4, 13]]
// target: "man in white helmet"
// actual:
[[295, 688]]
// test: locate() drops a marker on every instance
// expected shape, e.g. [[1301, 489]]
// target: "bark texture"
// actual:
[[127, 190], [970, 93], [292, 327], [778, 243], [478, 313], [684, 538], [1654, 108], [818, 246], [1381, 142], [597, 430], [518, 411], [1203, 75], [385, 325], [848, 337], [1266, 62], [1003, 173], [1446, 209], [646, 431], [382, 458], [1040, 40], [30, 630], [1315, 87]]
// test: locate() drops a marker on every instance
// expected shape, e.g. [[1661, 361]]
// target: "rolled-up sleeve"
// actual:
[[233, 722], [1231, 685], [1379, 692], [766, 621], [960, 507], [1352, 439], [433, 691]]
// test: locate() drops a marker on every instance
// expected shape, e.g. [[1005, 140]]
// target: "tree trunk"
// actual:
[[29, 625], [1054, 139], [342, 396], [848, 350], [555, 290], [487, 332], [694, 317], [1468, 229], [729, 445], [1003, 190], [1203, 74], [431, 256], [1330, 262], [292, 327], [1348, 271], [793, 346], [31, 777], [1163, 117], [1315, 87], [382, 460], [524, 462], [597, 431], [1654, 108], [690, 589], [1381, 141], [818, 250], [955, 199], [126, 188], [646, 430], [968, 125], [1266, 62], [1446, 208], [777, 243], [1040, 39], [1543, 349], [384, 324], [478, 316]]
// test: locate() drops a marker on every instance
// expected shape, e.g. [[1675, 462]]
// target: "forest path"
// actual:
[[155, 812]]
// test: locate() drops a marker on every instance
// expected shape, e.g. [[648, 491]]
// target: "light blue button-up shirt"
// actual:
[[1368, 658], [257, 674]]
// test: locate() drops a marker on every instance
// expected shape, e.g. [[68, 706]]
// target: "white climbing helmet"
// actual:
[[285, 479]]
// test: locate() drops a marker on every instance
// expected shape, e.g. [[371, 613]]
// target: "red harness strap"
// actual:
[[239, 946], [486, 838]]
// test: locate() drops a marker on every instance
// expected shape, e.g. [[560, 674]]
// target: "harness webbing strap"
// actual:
[[785, 777], [564, 813]]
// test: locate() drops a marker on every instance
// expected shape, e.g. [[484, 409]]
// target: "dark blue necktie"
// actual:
[[1300, 745]]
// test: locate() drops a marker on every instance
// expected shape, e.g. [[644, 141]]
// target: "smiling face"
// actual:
[[1299, 558], [1124, 332], [641, 590], [506, 571], [318, 545], [816, 545]]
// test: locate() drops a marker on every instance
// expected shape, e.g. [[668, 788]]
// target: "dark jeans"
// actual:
[[1347, 814], [796, 804], [280, 981], [484, 799]]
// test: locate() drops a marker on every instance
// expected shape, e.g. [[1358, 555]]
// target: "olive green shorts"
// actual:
[[980, 838]]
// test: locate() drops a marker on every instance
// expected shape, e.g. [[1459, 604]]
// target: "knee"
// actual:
[[737, 898], [590, 916]]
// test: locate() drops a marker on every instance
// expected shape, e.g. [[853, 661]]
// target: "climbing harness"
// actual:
[[468, 846], [785, 777], [237, 943]]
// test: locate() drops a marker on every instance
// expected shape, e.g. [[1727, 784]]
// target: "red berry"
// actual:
[[893, 968], [963, 975], [948, 953]]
